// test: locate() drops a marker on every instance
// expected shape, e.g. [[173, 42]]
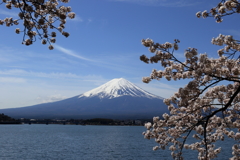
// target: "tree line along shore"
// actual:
[[4, 119]]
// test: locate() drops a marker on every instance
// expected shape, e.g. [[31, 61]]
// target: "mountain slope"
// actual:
[[118, 98]]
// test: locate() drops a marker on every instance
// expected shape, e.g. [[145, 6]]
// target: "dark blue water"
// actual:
[[75, 142]]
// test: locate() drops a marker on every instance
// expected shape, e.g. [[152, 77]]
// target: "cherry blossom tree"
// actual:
[[38, 17], [208, 107]]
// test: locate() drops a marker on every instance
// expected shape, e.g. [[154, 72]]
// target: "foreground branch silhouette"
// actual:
[[209, 105], [38, 17]]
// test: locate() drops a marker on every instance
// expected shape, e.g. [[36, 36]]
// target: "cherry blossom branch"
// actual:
[[40, 15]]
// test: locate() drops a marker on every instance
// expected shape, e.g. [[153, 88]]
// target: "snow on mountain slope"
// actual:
[[116, 88]]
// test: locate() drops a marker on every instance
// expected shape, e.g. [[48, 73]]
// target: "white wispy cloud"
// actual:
[[76, 19], [15, 75], [51, 98], [164, 3], [90, 20], [24, 73], [29, 88], [179, 55], [12, 80], [233, 32], [8, 13], [158, 88], [71, 53], [112, 63]]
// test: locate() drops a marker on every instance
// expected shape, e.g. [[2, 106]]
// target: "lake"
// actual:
[[76, 142]]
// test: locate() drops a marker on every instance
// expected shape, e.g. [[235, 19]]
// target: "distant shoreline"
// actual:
[[94, 121], [10, 122]]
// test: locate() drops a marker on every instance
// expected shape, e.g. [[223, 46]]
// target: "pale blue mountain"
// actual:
[[116, 99]]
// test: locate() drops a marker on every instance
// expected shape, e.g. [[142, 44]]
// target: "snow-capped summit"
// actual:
[[116, 88]]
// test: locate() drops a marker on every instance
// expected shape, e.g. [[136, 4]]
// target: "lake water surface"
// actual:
[[76, 142]]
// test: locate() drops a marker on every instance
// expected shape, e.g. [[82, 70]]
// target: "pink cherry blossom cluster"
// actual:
[[231, 45], [39, 16], [208, 106], [225, 7], [205, 105]]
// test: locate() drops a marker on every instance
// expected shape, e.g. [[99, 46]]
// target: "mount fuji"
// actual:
[[117, 88], [116, 99]]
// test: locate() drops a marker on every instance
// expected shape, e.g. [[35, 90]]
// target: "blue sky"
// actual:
[[104, 43]]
